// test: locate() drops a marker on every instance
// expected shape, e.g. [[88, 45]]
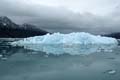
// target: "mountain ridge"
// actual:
[[9, 29], [113, 35]]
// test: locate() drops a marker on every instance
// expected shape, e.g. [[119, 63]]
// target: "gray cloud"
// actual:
[[63, 18]]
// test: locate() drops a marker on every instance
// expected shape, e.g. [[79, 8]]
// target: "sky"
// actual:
[[65, 16]]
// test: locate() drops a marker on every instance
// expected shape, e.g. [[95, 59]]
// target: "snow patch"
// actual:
[[4, 24]]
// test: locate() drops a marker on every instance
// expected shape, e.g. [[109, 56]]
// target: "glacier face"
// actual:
[[73, 43]]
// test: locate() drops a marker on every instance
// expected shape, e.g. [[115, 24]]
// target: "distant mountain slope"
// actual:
[[114, 35], [9, 29]]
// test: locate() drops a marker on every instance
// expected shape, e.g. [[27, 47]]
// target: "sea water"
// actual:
[[19, 63]]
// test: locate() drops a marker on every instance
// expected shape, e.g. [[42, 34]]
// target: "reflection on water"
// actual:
[[24, 64]]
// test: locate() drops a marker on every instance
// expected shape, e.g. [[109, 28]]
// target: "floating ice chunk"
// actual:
[[4, 58], [46, 56], [111, 72], [73, 43], [1, 55]]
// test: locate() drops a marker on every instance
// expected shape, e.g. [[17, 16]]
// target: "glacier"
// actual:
[[75, 43]]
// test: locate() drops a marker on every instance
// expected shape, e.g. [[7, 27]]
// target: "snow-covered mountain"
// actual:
[[9, 29]]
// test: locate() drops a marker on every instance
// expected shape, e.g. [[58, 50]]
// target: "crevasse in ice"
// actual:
[[73, 43]]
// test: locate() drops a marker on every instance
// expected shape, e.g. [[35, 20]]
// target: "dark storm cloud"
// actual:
[[61, 19]]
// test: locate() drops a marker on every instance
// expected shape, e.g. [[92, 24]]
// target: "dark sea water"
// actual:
[[20, 64]]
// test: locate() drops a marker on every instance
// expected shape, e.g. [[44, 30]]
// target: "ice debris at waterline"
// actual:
[[73, 43]]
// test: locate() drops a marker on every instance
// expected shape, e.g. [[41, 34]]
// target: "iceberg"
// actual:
[[75, 43]]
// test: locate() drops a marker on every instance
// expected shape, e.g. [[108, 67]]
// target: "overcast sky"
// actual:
[[95, 16]]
